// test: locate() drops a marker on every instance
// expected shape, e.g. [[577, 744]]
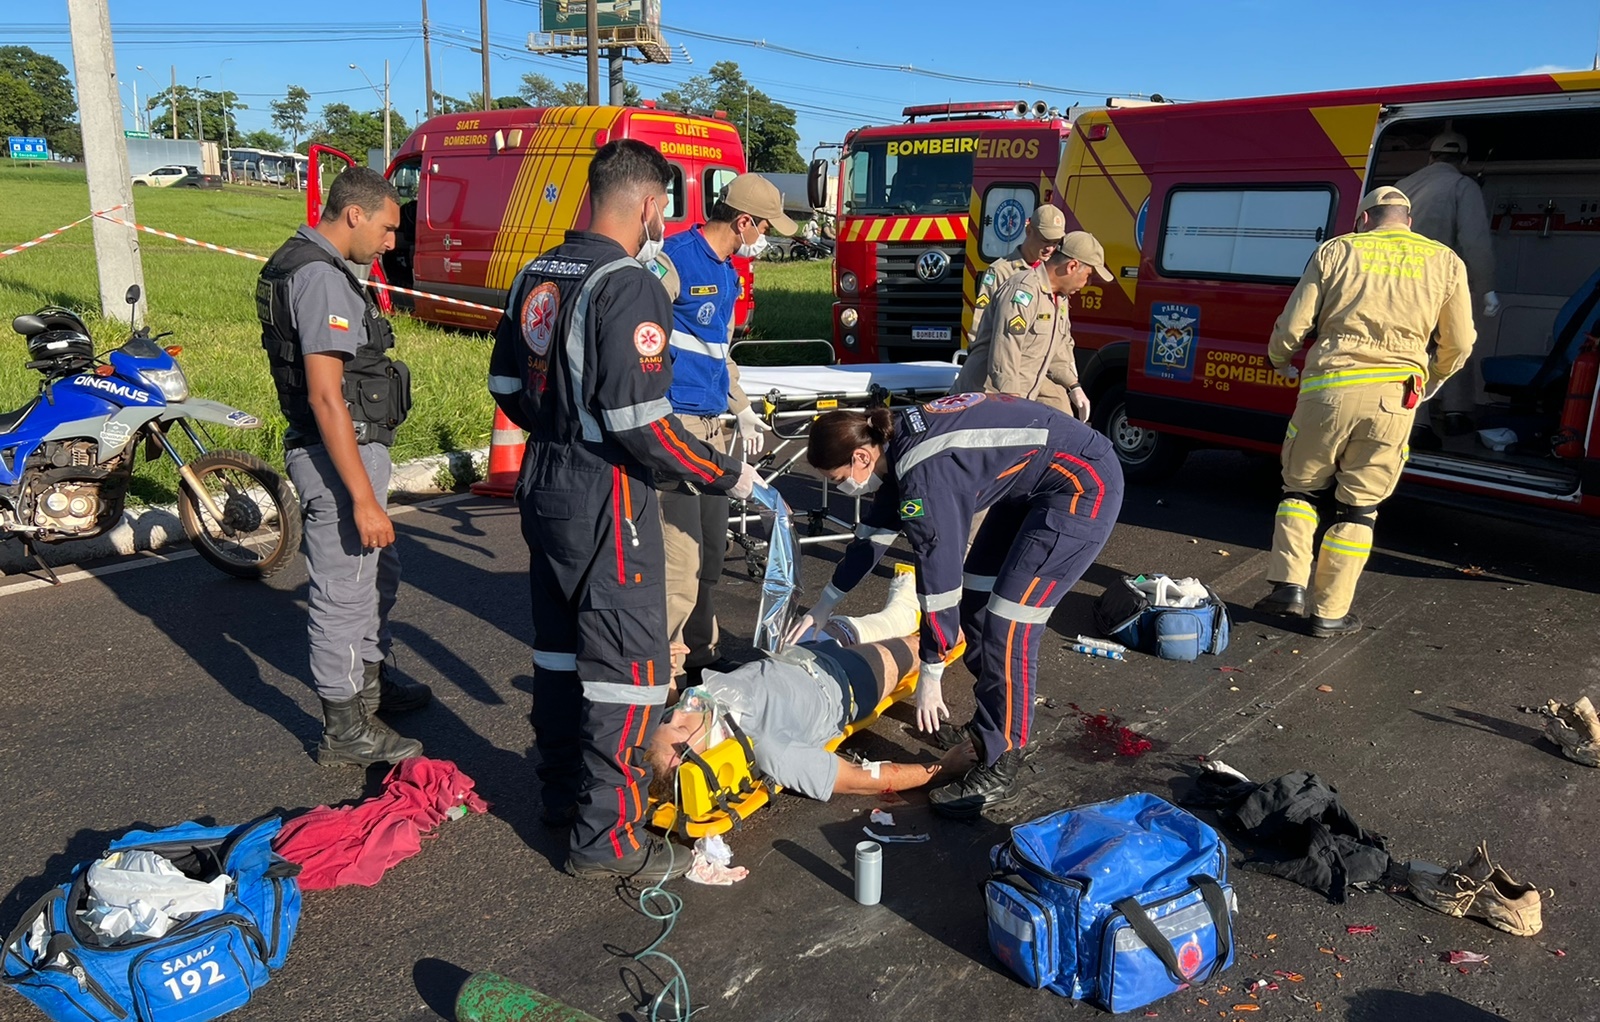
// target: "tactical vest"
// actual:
[[376, 387]]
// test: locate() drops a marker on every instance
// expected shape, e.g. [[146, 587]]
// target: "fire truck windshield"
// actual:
[[908, 176]]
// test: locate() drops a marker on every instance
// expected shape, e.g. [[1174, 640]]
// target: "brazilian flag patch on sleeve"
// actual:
[[911, 508]]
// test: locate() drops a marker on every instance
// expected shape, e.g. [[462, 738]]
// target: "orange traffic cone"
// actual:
[[505, 459]]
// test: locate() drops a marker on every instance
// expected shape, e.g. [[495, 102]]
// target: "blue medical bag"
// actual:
[[1124, 613]]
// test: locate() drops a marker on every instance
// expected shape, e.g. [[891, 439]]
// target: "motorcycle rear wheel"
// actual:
[[260, 532]]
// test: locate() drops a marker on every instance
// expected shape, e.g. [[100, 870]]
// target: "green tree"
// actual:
[[289, 114], [771, 142], [445, 105], [539, 90], [262, 139], [35, 95], [214, 108], [355, 132]]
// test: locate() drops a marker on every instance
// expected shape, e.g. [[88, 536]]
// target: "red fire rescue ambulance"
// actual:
[[905, 263], [1209, 211], [483, 193]]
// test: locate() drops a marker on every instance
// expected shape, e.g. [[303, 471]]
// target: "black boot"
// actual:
[[655, 861], [1285, 600], [1332, 627], [350, 738], [382, 692], [982, 788], [951, 735]]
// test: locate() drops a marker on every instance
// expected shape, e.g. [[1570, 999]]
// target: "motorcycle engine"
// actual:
[[67, 496]]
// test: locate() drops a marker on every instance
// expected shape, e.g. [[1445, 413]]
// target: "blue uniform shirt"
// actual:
[[700, 320]]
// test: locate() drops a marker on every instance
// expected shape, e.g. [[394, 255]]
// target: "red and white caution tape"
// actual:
[[261, 259], [41, 239]]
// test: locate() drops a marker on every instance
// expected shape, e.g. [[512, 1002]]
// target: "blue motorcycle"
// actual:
[[67, 456]]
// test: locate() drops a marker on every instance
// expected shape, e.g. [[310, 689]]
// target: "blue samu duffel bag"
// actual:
[[1126, 613], [204, 966], [1118, 903]]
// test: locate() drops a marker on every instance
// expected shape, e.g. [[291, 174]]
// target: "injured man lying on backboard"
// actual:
[[793, 705]]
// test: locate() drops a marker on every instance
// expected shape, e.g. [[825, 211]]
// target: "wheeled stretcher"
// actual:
[[789, 398], [719, 788]]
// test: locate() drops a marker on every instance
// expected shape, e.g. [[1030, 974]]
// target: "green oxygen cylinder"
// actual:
[[488, 997]]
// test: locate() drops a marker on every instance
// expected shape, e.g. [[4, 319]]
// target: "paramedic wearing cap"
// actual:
[[792, 704], [327, 349], [1029, 329], [1053, 488], [705, 385], [1373, 300], [580, 361], [1448, 206], [1043, 233]]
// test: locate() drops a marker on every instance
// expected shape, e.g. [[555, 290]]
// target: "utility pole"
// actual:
[[173, 95], [199, 117], [483, 17], [591, 32], [387, 148], [614, 59], [227, 136], [105, 155], [427, 59]]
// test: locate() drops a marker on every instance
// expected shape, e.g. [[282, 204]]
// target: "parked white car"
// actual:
[[161, 177]]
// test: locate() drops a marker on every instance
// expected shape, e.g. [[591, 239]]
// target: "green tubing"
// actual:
[[487, 997]]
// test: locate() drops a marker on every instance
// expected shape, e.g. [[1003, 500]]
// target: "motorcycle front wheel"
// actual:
[[259, 533]]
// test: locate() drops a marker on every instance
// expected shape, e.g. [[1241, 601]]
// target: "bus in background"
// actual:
[[483, 193], [1209, 212], [906, 265]]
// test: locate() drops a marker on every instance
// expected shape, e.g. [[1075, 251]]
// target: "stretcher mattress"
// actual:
[[808, 383]]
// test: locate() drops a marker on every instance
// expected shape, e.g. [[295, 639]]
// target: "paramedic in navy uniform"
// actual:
[[1053, 488], [580, 362]]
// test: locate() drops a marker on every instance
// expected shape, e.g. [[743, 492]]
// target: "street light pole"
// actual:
[[199, 116], [227, 141], [383, 95], [153, 78]]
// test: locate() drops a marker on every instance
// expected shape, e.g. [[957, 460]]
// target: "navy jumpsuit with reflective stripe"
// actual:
[[580, 362], [1053, 488]]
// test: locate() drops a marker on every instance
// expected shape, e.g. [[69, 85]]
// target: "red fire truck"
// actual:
[[483, 193], [1209, 211], [905, 263]]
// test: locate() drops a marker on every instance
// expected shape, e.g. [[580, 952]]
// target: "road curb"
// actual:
[[153, 527]]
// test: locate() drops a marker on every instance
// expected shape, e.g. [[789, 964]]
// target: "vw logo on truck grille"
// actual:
[[932, 264]]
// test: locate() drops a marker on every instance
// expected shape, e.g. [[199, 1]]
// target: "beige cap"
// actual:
[[1388, 195], [1082, 246], [754, 194], [1050, 222], [1449, 142]]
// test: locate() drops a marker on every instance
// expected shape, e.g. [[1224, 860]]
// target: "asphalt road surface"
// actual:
[[168, 692]]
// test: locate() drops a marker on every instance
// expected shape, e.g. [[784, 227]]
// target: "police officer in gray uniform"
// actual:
[[343, 397]]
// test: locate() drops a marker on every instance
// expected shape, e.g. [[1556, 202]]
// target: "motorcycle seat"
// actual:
[[9, 421]]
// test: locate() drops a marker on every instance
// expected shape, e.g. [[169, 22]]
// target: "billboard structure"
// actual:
[[623, 24]]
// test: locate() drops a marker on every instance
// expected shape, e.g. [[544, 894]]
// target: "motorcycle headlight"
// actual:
[[173, 385]]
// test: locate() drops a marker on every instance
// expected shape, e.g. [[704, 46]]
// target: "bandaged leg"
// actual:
[[1294, 534], [898, 617], [1344, 552]]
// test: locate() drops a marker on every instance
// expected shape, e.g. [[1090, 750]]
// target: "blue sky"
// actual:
[[1184, 49]]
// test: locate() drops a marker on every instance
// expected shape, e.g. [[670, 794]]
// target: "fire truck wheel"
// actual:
[[1146, 455]]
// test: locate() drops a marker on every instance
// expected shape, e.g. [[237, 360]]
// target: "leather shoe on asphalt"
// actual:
[[351, 738], [654, 862], [1331, 627], [983, 787], [1286, 600], [1576, 729], [394, 694]]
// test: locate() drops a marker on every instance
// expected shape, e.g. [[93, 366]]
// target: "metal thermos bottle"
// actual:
[[869, 872]]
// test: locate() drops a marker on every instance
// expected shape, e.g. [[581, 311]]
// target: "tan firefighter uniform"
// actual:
[[1025, 344], [1373, 301]]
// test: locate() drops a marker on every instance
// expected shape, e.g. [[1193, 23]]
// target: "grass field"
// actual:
[[207, 300]]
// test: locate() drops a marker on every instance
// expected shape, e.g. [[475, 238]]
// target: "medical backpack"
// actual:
[[1118, 903], [203, 967], [1124, 613]]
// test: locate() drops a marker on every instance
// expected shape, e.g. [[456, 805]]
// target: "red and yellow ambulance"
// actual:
[[1209, 212], [483, 193], [906, 265]]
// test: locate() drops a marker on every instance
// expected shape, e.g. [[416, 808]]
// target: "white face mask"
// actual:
[[753, 249], [650, 248], [851, 487]]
